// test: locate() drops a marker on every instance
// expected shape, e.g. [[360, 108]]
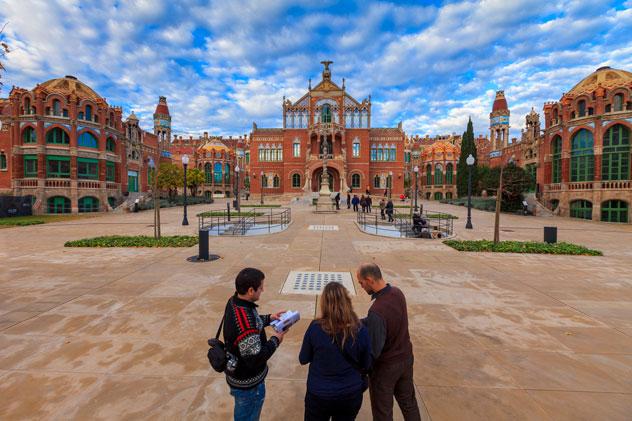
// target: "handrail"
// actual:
[[402, 223], [240, 223]]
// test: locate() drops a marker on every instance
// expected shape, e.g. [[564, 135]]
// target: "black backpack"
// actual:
[[217, 351]]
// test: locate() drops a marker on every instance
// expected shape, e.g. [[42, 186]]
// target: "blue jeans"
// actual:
[[248, 402]]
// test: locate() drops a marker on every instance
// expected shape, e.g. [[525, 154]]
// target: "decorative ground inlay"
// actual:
[[312, 283], [323, 228]]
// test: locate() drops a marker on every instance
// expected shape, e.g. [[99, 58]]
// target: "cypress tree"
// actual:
[[468, 146]]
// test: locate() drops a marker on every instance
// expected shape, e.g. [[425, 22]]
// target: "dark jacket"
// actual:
[[389, 206], [387, 322], [355, 200], [245, 338], [330, 375]]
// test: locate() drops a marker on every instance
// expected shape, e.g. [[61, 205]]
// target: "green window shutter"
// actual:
[[57, 166], [110, 171], [88, 168], [30, 165]]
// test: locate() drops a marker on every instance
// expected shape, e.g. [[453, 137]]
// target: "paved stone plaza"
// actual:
[[121, 333]]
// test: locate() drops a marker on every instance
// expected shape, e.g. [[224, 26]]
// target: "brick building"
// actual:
[[289, 160], [65, 147]]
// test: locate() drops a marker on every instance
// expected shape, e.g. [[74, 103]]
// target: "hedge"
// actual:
[[135, 241], [531, 247], [233, 213]]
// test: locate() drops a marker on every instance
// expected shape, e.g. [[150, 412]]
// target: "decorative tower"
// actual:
[[162, 121], [533, 125], [499, 122]]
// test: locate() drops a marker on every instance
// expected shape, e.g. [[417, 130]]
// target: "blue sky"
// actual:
[[224, 64]]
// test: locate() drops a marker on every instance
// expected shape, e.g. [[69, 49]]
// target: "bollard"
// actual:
[[228, 210], [203, 245], [550, 235]]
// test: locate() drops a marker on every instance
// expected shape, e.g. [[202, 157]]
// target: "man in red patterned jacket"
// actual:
[[247, 345]]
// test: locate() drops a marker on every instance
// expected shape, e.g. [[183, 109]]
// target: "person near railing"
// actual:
[[382, 208], [389, 210], [369, 203], [355, 201]]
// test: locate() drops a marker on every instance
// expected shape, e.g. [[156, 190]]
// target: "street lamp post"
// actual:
[[390, 183], [416, 170], [470, 163], [185, 162], [237, 187], [262, 187]]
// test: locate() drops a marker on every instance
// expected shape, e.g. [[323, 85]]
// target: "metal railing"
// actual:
[[440, 224], [250, 222]]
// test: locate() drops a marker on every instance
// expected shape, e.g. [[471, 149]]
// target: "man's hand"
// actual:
[[277, 316], [279, 335]]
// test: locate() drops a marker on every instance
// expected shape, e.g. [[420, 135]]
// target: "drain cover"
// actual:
[[312, 283], [323, 228]]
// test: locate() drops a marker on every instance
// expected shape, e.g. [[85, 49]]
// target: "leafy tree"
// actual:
[[516, 182], [195, 178], [468, 146], [170, 177]]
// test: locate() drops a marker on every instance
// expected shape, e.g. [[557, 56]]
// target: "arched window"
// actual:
[[326, 114], [88, 112], [614, 211], [556, 159], [296, 149], [217, 173], [376, 181], [110, 145], [80, 115], [581, 108], [582, 159], [296, 180], [27, 106], [88, 168], [264, 180], [58, 204], [3, 161], [555, 116], [88, 140], [438, 196], [615, 161], [355, 181], [261, 153], [448, 175], [88, 204], [448, 195], [110, 171], [428, 175], [393, 156], [56, 107], [29, 135], [373, 153], [208, 174], [618, 102], [356, 148], [58, 136], [581, 209], [276, 181], [438, 175], [227, 173]]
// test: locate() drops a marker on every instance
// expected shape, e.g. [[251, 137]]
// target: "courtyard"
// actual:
[[88, 333]]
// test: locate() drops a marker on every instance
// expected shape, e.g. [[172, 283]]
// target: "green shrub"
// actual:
[[135, 241], [531, 247], [233, 213], [260, 206], [20, 223]]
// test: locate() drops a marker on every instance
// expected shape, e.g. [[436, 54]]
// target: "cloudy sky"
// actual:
[[224, 64]]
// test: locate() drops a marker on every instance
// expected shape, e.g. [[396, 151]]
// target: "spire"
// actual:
[[162, 107], [500, 103], [326, 71]]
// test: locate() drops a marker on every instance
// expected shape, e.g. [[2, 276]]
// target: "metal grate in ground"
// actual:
[[323, 228], [312, 283]]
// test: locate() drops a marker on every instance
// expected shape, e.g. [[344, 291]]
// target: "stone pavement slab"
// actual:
[[121, 333]]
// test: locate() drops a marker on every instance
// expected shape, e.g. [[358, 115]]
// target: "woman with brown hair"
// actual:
[[338, 350]]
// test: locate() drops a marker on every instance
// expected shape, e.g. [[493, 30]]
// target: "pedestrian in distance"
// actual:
[[363, 203], [337, 198], [369, 202], [382, 208], [389, 210], [248, 347], [392, 370], [337, 348], [355, 202], [349, 199]]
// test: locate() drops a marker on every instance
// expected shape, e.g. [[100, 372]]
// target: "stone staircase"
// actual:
[[536, 207]]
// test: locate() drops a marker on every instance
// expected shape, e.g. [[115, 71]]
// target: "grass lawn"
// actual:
[[531, 247], [20, 221]]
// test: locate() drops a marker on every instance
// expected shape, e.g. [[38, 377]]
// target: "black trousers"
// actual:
[[395, 379], [341, 409]]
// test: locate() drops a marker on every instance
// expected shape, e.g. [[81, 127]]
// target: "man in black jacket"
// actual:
[[247, 344]]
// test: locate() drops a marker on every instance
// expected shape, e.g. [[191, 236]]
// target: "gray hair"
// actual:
[[370, 271]]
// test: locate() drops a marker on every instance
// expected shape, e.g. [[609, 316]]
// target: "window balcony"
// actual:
[[616, 184], [57, 183]]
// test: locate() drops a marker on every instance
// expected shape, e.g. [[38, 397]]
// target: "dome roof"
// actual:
[[162, 107], [500, 103], [213, 146], [606, 77], [438, 148], [69, 84]]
